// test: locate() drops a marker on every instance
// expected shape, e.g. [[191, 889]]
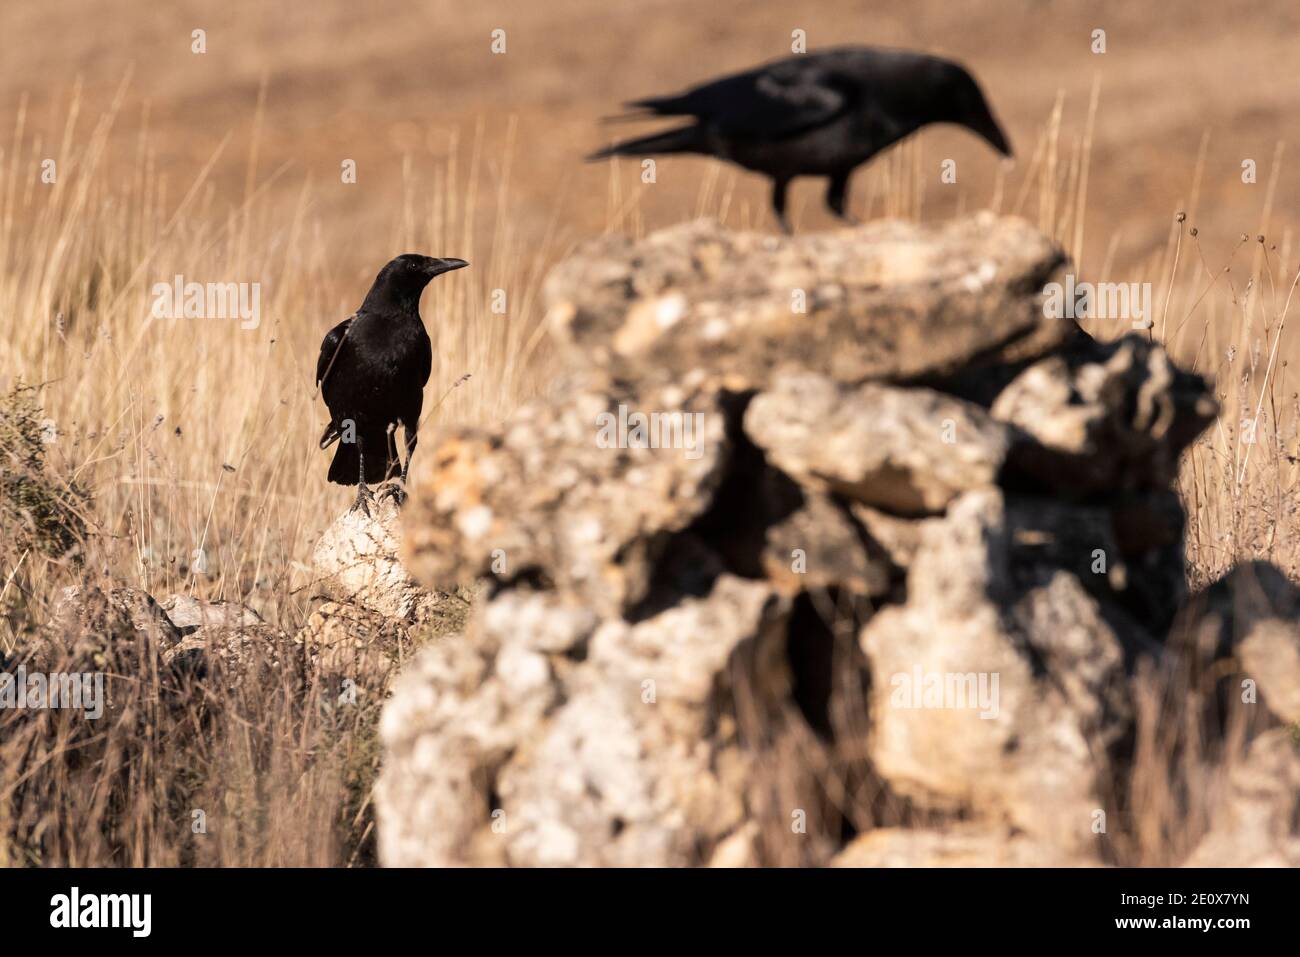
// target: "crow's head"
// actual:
[[963, 103], [404, 278]]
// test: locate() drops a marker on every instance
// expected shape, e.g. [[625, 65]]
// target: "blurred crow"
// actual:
[[816, 114], [372, 370]]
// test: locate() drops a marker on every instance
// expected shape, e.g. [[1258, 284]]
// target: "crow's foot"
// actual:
[[363, 501], [394, 491]]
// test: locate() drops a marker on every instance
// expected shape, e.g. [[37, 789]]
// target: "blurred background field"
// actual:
[[200, 437], [226, 166], [409, 89]]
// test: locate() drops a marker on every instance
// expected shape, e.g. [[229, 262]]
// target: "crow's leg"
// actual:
[[779, 186], [837, 195], [364, 498], [410, 450], [387, 488], [392, 451], [399, 492]]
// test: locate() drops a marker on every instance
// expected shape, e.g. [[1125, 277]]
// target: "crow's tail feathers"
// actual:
[[665, 105], [330, 435], [685, 139], [345, 467], [639, 116], [653, 107]]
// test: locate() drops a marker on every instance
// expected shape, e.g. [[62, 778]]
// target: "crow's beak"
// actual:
[[991, 132], [439, 266], [1001, 145]]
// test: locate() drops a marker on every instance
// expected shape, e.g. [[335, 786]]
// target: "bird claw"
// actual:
[[394, 491], [363, 502]]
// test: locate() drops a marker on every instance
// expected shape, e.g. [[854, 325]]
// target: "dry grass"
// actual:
[[192, 435]]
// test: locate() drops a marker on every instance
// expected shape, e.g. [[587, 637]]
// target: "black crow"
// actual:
[[372, 370], [817, 114]]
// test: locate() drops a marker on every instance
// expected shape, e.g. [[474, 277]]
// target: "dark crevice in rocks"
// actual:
[[826, 665], [1034, 469], [485, 783], [730, 535], [810, 654], [979, 384], [752, 496], [577, 652], [687, 568], [531, 578], [826, 689], [982, 378], [1125, 554], [1135, 641]]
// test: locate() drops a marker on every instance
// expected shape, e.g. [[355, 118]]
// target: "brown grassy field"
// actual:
[[225, 166]]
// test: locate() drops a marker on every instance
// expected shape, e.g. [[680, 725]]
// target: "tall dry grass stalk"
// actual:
[[197, 433], [196, 442]]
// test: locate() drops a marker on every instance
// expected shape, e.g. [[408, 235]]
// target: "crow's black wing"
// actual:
[[424, 358], [775, 101], [329, 346]]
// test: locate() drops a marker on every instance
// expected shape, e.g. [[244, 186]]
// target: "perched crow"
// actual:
[[816, 114], [372, 370]]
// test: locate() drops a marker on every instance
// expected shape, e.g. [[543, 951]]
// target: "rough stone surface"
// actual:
[[1271, 653], [545, 495], [353, 642], [1256, 826], [1058, 702], [908, 451], [120, 613], [681, 660], [889, 300], [236, 648], [189, 614], [1244, 626], [585, 742], [357, 561], [821, 545], [962, 845], [900, 537], [1104, 418]]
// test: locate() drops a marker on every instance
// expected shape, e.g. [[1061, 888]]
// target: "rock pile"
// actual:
[[852, 497]]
